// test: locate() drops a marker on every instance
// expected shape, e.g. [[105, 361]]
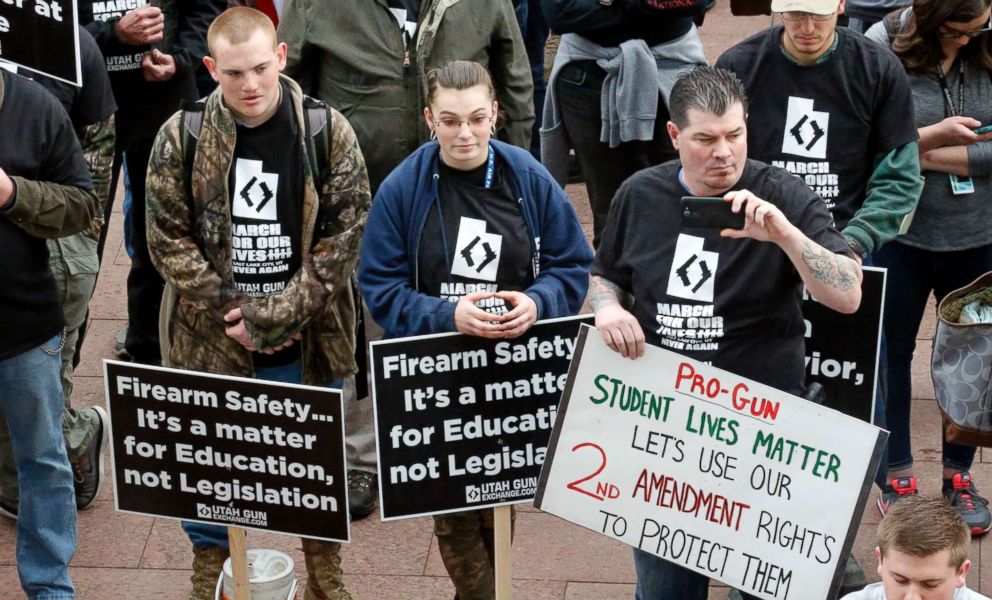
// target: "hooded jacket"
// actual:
[[352, 55], [387, 275], [189, 240]]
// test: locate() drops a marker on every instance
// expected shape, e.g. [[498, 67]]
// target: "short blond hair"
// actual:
[[237, 25], [921, 527]]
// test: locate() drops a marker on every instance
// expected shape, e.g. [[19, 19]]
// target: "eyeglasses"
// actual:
[[795, 15], [950, 33], [452, 125]]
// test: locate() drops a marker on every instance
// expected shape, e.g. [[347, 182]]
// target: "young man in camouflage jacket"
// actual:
[[222, 317]]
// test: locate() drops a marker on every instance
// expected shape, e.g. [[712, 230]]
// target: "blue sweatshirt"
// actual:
[[387, 273]]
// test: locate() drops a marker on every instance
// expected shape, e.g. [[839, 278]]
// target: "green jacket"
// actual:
[[351, 54], [189, 240]]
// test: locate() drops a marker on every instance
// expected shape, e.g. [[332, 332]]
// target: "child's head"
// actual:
[[922, 550]]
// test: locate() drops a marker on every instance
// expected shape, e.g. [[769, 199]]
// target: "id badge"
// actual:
[[961, 185]]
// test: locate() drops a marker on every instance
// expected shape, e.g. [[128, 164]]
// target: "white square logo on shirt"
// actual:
[[254, 191], [806, 130], [476, 252], [693, 270]]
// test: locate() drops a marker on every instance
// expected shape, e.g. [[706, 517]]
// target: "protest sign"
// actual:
[[462, 422], [227, 450], [722, 475], [42, 36], [842, 350]]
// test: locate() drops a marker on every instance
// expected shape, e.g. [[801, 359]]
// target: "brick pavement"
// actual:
[[129, 556]]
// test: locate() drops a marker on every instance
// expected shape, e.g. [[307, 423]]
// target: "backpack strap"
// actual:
[[192, 123], [318, 135]]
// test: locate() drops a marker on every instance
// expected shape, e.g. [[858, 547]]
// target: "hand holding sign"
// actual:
[[703, 468], [620, 330], [141, 26]]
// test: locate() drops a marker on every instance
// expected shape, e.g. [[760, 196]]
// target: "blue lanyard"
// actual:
[[490, 168]]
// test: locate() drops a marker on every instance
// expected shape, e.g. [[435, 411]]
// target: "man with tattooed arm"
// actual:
[[729, 297]]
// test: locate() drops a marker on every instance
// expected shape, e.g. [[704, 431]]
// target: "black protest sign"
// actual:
[[228, 450], [462, 422], [842, 350], [41, 36], [709, 470]]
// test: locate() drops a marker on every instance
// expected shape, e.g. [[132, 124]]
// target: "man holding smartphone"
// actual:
[[730, 297]]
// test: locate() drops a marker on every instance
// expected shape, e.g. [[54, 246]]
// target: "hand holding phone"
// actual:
[[710, 213]]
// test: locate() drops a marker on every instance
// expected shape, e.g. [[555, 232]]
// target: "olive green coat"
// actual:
[[352, 55]]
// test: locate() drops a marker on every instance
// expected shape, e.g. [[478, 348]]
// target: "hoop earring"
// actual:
[[433, 134], [492, 129]]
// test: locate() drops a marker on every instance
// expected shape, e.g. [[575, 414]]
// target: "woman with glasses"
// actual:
[[946, 50], [472, 235]]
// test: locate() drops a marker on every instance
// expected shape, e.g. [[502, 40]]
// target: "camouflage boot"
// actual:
[[207, 565], [325, 577]]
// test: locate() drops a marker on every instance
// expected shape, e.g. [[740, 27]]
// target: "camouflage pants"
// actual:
[[74, 265], [466, 541]]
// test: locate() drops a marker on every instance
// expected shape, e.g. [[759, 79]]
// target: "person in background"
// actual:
[[608, 91], [74, 263], [45, 192], [368, 60], [464, 184], [922, 554], [946, 49]]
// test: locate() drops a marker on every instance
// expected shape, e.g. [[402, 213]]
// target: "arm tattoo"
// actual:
[[828, 267], [602, 291]]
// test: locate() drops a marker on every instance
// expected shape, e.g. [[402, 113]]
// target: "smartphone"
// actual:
[[984, 129], [710, 213]]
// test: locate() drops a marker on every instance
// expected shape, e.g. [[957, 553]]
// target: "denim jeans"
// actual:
[[913, 274], [204, 535], [659, 579], [31, 400]]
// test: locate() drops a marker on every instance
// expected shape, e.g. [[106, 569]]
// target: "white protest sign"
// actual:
[[725, 476]]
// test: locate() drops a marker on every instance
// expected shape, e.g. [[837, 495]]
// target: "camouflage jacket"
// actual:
[[189, 240]]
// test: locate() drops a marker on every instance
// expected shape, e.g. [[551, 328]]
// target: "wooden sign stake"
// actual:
[[504, 558], [236, 538]]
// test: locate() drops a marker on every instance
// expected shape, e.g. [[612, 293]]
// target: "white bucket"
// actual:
[[270, 576]]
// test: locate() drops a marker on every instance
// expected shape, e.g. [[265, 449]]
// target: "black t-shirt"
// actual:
[[484, 232], [407, 13], [825, 123], [36, 142], [266, 195], [94, 101], [731, 302]]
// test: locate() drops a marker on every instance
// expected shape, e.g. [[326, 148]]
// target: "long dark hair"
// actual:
[[918, 45]]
